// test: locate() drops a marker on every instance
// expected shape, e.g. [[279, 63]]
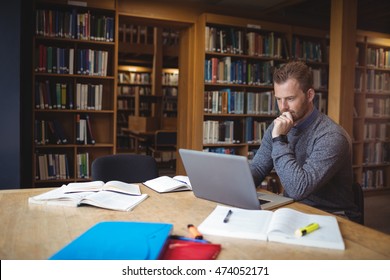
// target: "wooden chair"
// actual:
[[164, 142], [359, 201], [129, 168]]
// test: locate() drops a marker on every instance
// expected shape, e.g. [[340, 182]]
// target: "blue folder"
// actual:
[[118, 240]]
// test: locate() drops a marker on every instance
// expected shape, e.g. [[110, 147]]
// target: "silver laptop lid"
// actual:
[[226, 179], [221, 178]]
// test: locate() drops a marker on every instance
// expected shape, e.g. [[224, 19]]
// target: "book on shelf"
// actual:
[[82, 165], [118, 240], [113, 195], [165, 184], [51, 166], [73, 24], [277, 226]]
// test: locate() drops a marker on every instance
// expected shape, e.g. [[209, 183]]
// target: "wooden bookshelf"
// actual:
[[73, 89], [238, 106], [147, 78], [371, 121]]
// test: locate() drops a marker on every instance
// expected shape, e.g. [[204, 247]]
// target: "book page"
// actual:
[[183, 179], [285, 221], [166, 184], [114, 200], [122, 187], [242, 223], [93, 186], [59, 197]]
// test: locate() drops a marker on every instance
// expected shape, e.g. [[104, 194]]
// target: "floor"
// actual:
[[377, 212]]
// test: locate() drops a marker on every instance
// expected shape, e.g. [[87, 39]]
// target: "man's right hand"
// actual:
[[282, 124]]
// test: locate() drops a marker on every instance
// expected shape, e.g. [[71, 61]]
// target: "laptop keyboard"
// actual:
[[262, 201]]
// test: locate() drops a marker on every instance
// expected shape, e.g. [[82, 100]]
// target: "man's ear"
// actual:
[[311, 94]]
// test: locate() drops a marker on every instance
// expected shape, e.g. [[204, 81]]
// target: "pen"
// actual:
[[307, 229], [178, 237], [194, 231], [227, 217]]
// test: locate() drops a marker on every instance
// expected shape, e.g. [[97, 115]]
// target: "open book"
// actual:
[[164, 184], [115, 186], [278, 226], [113, 195]]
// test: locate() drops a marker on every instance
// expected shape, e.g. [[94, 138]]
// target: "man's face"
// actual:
[[292, 99]]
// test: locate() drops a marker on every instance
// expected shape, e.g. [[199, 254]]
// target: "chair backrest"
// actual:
[[165, 138], [129, 168], [359, 201]]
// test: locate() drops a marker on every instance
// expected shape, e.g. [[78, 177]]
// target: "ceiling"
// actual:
[[373, 15]]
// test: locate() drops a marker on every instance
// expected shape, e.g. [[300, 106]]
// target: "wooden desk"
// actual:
[[139, 137], [38, 231]]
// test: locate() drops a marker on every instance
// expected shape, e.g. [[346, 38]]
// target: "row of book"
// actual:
[[223, 132], [52, 131], [376, 131], [310, 51], [84, 133], [230, 40], [226, 101], [255, 130], [376, 82], [72, 24], [221, 150], [52, 166], [378, 107], [218, 132], [49, 132], [228, 70], [134, 90], [58, 60], [51, 95], [55, 166], [377, 152], [126, 104], [378, 57], [373, 178], [170, 91], [170, 79], [140, 78], [142, 34], [256, 42]]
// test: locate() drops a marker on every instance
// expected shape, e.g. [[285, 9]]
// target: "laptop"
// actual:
[[226, 179]]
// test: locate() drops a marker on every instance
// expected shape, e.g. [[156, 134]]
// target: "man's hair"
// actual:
[[297, 70]]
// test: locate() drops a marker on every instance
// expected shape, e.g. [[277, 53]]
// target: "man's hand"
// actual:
[[282, 124]]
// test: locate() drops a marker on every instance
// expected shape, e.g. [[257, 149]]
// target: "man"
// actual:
[[310, 153]]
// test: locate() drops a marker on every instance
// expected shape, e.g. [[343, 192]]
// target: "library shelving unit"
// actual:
[[73, 89], [312, 46], [236, 81], [134, 99], [147, 79], [371, 120]]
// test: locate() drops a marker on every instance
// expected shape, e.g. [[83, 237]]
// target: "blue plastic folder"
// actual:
[[118, 241]]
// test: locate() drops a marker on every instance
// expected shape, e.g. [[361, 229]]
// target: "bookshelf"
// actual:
[[236, 80], [371, 120], [147, 78], [73, 89]]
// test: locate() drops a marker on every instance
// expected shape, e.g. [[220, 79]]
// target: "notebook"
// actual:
[[226, 179]]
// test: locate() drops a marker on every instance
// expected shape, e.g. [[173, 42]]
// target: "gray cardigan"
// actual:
[[315, 167]]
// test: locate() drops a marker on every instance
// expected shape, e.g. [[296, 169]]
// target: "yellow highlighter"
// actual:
[[307, 229]]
